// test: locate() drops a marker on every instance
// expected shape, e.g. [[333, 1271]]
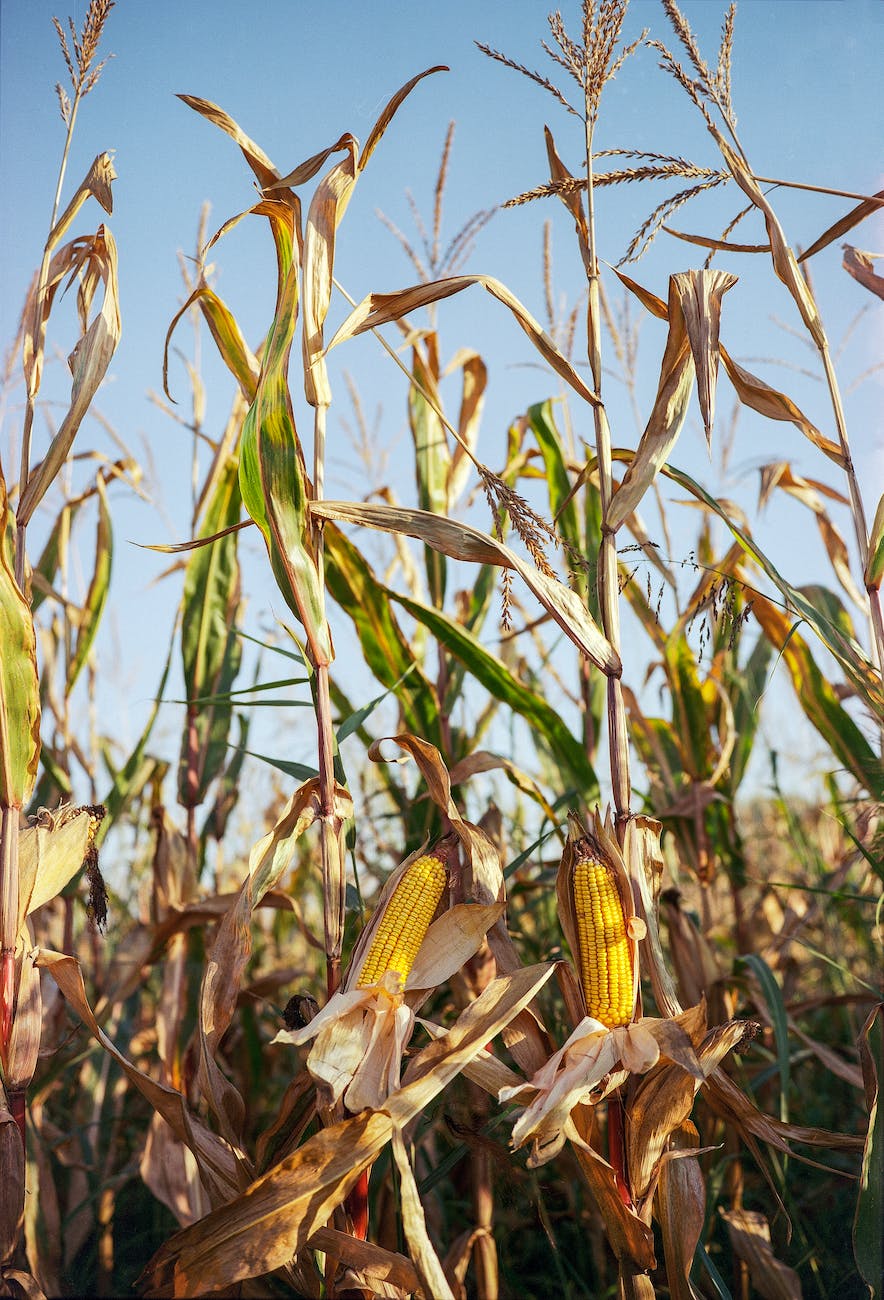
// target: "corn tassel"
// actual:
[[407, 916], [604, 957]]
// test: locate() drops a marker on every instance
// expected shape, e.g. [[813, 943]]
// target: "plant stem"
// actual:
[[333, 884], [608, 590], [8, 922], [38, 336]]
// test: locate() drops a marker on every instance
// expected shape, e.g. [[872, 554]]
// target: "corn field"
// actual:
[[518, 985]]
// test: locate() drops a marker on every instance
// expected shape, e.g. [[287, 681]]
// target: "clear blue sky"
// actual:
[[295, 75]]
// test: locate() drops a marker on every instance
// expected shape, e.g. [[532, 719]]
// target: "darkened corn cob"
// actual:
[[407, 916], [605, 957]]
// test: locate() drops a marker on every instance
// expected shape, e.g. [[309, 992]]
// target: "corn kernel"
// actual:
[[406, 919]]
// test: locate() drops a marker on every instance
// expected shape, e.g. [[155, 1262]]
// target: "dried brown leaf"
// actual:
[[426, 1261], [759, 396], [327, 209], [666, 419], [168, 1168], [630, 1238], [97, 183], [858, 264], [275, 1217], [254, 155], [372, 1261], [217, 1162], [847, 222], [749, 1232], [718, 245], [89, 362], [700, 294], [681, 1208], [783, 258]]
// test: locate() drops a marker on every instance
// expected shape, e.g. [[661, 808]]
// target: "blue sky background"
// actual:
[[295, 75]]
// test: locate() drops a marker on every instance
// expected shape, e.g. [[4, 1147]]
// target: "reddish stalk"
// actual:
[[617, 1148]]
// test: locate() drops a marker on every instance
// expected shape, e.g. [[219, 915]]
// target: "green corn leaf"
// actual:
[[818, 699], [432, 456], [299, 771], [96, 597], [387, 653], [272, 474], [690, 716], [562, 504], [494, 675], [745, 687], [19, 682], [357, 717], [211, 651]]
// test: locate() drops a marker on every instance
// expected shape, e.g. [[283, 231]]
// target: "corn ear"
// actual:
[[406, 917], [597, 913], [604, 956]]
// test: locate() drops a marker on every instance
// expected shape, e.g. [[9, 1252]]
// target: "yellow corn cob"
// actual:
[[605, 957], [407, 915]]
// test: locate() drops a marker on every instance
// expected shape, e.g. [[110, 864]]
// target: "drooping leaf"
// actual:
[[700, 295], [858, 264], [381, 308], [494, 675], [232, 347], [462, 542], [272, 474], [840, 227]]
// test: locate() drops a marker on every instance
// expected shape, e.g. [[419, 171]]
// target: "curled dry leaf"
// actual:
[[700, 294], [88, 362], [858, 264], [254, 155], [462, 542], [97, 183], [749, 1232], [752, 391], [808, 492], [372, 1262], [666, 419]]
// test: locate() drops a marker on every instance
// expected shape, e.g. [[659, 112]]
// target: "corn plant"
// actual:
[[301, 1081]]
